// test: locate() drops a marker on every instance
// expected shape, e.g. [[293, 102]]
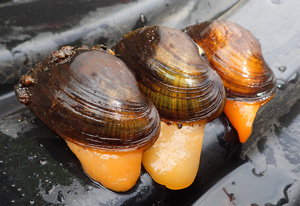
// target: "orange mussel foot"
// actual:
[[241, 115], [117, 171]]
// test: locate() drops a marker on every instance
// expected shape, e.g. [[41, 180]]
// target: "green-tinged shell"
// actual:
[[235, 54], [172, 73], [91, 98]]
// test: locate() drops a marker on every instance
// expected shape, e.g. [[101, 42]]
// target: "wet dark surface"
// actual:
[[50, 24], [37, 168], [36, 165]]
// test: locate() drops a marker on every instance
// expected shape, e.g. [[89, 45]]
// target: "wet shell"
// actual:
[[89, 97], [172, 73], [237, 57]]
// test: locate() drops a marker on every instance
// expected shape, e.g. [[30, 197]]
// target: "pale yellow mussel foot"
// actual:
[[174, 158]]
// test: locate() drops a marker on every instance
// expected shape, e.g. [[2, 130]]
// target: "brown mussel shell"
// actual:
[[237, 57], [172, 73], [91, 98]]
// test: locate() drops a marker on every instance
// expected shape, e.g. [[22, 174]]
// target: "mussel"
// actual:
[[91, 99], [175, 76], [235, 54]]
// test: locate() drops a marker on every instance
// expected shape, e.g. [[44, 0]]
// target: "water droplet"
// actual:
[[20, 119], [281, 68], [12, 201], [1, 161], [281, 84], [90, 188], [143, 19], [179, 125], [43, 162], [13, 185], [31, 156], [60, 196], [293, 78], [257, 174], [35, 175], [31, 202]]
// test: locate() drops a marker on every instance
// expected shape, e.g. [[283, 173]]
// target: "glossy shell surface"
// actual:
[[172, 73], [91, 98], [237, 57]]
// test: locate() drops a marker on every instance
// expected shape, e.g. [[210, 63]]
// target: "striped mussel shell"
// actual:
[[236, 55], [172, 72], [89, 97]]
